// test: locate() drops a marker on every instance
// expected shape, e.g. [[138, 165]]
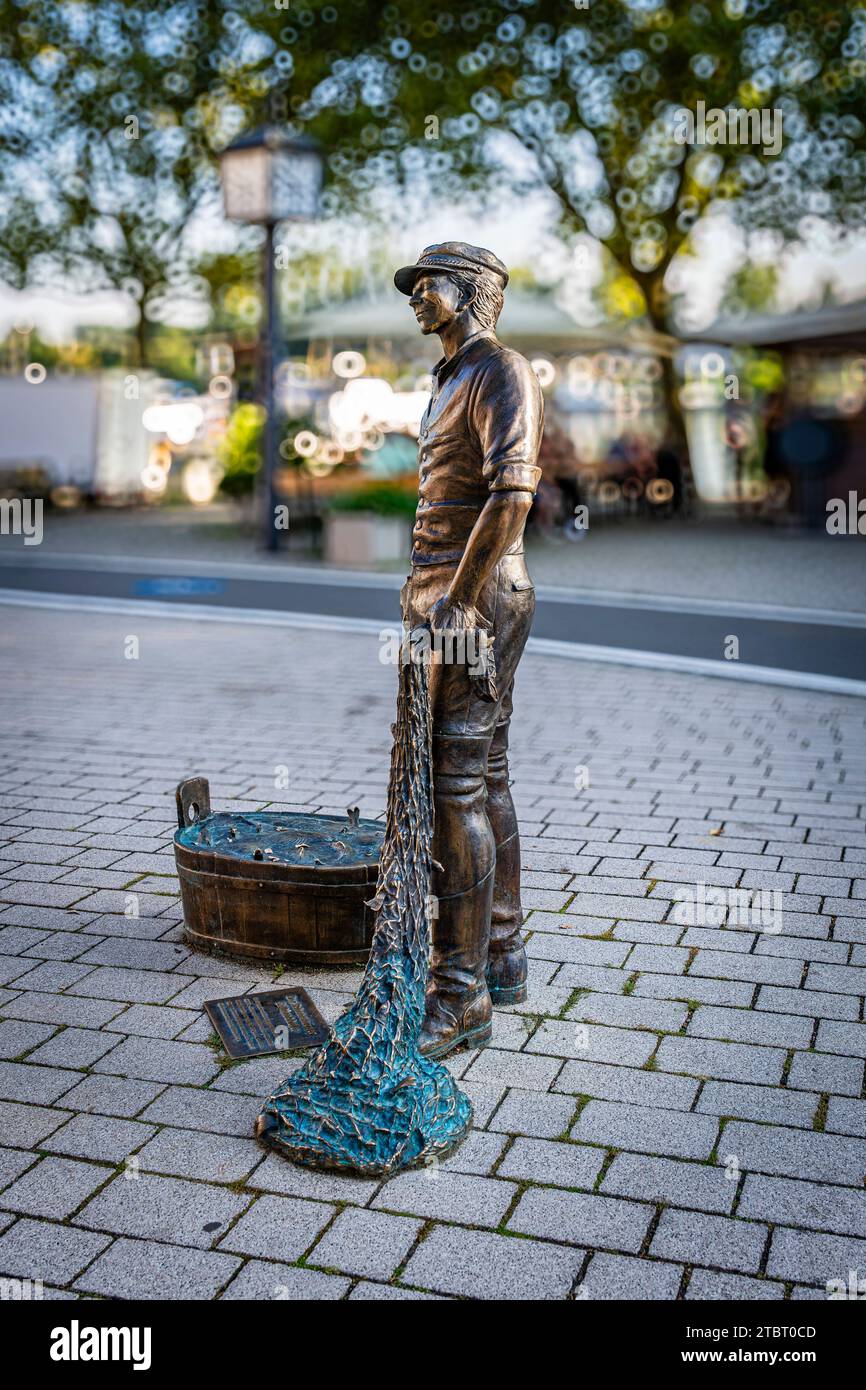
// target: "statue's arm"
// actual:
[[506, 413], [500, 524]]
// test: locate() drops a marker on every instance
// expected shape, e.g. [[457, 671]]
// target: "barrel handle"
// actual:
[[193, 801]]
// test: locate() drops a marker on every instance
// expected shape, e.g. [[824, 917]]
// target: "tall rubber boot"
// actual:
[[506, 961], [458, 1010]]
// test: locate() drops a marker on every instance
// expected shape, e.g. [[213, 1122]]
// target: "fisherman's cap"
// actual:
[[450, 255]]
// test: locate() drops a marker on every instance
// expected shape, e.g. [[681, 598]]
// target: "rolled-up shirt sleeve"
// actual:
[[507, 416]]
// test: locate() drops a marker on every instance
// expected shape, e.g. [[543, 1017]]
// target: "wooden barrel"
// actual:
[[272, 885]]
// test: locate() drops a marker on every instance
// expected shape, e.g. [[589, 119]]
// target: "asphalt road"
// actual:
[[815, 642]]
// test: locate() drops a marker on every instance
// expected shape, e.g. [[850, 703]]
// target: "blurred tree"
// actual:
[[110, 114], [582, 101]]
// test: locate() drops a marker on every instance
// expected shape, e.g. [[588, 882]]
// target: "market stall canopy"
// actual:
[[526, 318], [831, 327]]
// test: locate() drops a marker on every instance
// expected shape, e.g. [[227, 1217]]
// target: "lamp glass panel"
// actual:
[[245, 184], [296, 179]]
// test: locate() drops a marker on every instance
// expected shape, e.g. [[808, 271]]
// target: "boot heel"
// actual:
[[478, 1037], [504, 994]]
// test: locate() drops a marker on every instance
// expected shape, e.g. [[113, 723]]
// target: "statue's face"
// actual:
[[436, 301]]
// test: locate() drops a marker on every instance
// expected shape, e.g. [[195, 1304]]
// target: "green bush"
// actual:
[[384, 499], [240, 452]]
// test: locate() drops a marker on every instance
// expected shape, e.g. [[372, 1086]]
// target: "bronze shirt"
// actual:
[[480, 434]]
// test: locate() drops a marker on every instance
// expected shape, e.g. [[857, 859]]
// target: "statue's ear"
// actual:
[[468, 297]]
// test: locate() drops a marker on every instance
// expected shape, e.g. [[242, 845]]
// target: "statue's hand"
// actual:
[[449, 615]]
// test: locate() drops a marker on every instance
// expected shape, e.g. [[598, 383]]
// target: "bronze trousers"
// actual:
[[475, 835]]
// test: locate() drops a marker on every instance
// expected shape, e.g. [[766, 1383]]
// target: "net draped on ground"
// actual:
[[366, 1100]]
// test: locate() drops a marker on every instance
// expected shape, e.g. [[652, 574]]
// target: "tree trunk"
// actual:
[[141, 336]]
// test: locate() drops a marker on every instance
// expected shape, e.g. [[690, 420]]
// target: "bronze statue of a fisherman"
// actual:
[[478, 471]]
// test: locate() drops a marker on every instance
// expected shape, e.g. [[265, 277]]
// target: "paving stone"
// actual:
[[130, 986], [586, 1219], [260, 1279], [111, 1095], [447, 1196], [645, 1130], [516, 1069], [259, 1077], [838, 979], [579, 950], [532, 1112], [725, 1061], [52, 975], [25, 1126], [729, 965], [290, 1179], [142, 1269], [696, 1238], [476, 1154], [74, 1047], [485, 1097], [767, 1104], [810, 1002], [629, 1012], [117, 924], [820, 1071], [45, 1250], [13, 1162], [14, 940], [155, 1059], [115, 900], [367, 1243], [815, 1259], [848, 1039], [735, 992], [708, 1284], [13, 967], [744, 1025], [152, 1021], [55, 1187], [380, 1293], [592, 1042], [189, 1153], [547, 1162], [846, 1117], [667, 1180], [135, 955], [623, 1277], [794, 1153], [786, 1202], [99, 1137], [36, 1085], [164, 1209], [479, 1265], [62, 1008], [208, 1110], [17, 1037], [281, 1228], [631, 1085]]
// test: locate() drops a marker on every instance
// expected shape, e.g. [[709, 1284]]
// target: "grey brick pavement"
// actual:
[[677, 1111]]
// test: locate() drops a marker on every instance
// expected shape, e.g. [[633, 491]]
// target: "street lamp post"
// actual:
[[268, 177]]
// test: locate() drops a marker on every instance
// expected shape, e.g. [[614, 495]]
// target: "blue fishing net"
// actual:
[[366, 1100]]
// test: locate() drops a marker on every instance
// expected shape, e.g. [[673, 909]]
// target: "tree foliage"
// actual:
[[572, 100]]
